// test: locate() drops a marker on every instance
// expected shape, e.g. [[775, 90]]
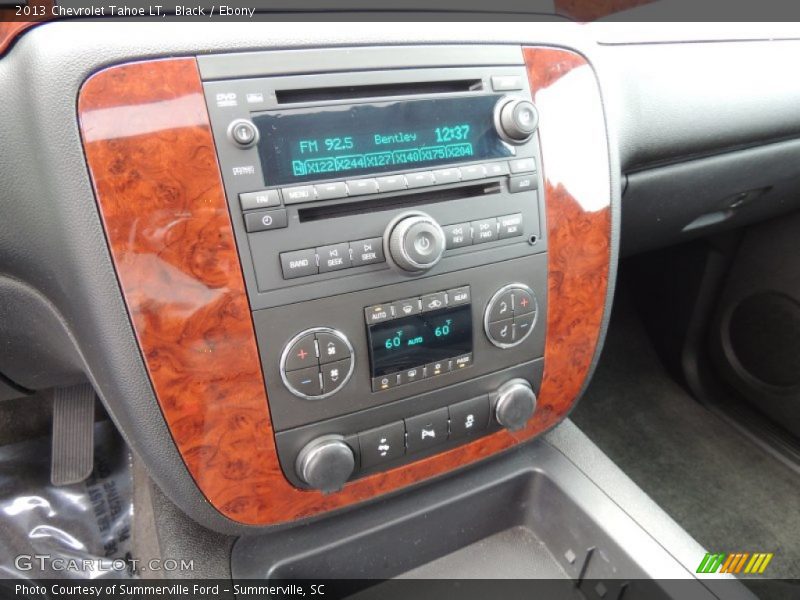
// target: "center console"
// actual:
[[391, 230], [352, 270]]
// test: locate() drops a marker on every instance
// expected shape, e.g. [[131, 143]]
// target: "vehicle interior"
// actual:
[[396, 302]]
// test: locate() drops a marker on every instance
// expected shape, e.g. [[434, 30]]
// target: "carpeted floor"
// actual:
[[726, 492]]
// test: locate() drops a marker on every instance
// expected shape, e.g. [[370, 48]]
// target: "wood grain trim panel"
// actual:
[[151, 157], [12, 26]]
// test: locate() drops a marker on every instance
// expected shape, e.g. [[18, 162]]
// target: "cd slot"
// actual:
[[377, 91], [317, 213]]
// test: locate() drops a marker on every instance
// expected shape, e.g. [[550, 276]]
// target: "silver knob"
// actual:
[[516, 119], [415, 242], [325, 463], [515, 404]]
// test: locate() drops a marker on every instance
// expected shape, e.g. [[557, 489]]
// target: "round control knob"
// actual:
[[325, 463], [243, 133], [415, 242], [515, 404], [516, 119], [317, 363], [510, 315]]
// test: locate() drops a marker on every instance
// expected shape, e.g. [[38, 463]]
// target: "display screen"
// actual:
[[302, 145], [420, 339]]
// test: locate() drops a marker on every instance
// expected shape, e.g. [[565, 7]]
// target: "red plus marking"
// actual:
[[524, 302], [302, 354]]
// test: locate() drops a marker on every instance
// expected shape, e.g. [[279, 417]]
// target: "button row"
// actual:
[[459, 235], [421, 432], [310, 261], [434, 369], [412, 306], [394, 183]]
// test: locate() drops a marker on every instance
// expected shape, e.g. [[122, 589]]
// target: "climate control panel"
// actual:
[[383, 377]]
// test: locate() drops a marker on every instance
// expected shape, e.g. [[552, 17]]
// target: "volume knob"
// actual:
[[325, 463], [415, 242], [515, 404]]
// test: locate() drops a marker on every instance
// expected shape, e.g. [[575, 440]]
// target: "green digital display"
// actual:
[[419, 339], [344, 141]]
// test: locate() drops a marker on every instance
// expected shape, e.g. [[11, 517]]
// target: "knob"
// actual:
[[415, 242], [516, 119], [515, 404], [243, 133], [325, 463]]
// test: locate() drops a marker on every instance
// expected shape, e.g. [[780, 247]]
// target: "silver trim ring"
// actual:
[[313, 331], [388, 236], [495, 296]]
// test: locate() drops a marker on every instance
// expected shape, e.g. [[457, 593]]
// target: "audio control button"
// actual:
[[331, 348], [306, 382], [445, 176], [458, 235], [471, 172], [510, 226], [334, 257], [522, 165], [265, 220], [360, 187], [265, 199], [335, 374], [367, 252], [502, 331], [391, 183], [299, 263], [496, 169], [382, 444], [484, 231], [522, 183], [329, 191], [302, 354], [421, 179], [301, 193]]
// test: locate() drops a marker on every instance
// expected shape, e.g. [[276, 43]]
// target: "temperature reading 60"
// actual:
[[443, 330]]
